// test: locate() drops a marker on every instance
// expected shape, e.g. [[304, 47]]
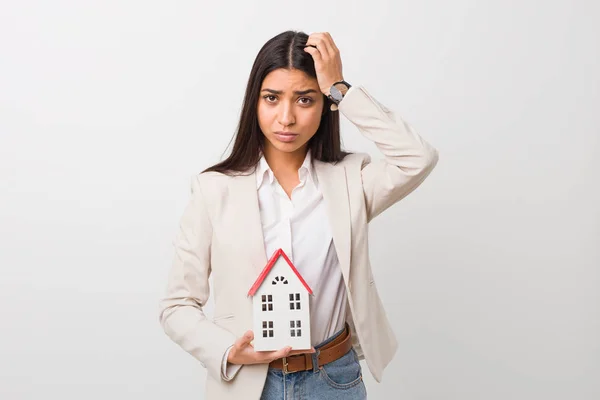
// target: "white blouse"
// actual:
[[300, 227]]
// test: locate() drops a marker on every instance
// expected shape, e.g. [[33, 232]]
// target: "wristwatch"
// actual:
[[337, 92]]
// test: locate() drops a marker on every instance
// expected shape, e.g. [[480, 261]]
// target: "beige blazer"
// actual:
[[221, 236]]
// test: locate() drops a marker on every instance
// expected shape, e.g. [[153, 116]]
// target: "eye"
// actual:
[[308, 100], [268, 96]]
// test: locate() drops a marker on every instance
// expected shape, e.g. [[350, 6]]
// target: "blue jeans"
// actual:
[[337, 380]]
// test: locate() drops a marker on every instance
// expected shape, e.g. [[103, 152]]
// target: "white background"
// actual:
[[489, 271]]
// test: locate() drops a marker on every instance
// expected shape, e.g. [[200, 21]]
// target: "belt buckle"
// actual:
[[285, 365]]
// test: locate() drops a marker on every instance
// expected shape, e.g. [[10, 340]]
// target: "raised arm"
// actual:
[[407, 158]]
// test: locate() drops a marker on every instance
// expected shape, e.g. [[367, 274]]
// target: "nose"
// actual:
[[286, 114]]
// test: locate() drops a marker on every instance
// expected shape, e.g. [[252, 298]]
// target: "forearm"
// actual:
[[407, 158]]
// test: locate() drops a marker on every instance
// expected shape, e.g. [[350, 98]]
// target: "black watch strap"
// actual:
[[335, 95]]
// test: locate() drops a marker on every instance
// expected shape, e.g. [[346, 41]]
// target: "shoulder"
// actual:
[[211, 179], [213, 183], [355, 160]]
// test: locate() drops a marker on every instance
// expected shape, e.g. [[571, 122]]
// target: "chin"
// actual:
[[291, 147]]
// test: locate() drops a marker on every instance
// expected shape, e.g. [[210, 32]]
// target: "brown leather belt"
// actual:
[[328, 353]]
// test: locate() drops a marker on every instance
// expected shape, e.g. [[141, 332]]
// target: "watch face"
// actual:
[[336, 94]]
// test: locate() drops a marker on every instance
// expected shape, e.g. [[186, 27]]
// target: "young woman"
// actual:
[[287, 184]]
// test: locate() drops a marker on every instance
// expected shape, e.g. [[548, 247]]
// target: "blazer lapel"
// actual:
[[248, 220], [333, 185]]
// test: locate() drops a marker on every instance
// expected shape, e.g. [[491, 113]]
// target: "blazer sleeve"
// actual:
[[408, 158], [181, 308]]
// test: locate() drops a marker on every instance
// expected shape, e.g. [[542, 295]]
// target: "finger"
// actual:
[[294, 352], [313, 43], [317, 40], [315, 53], [244, 340], [283, 353], [274, 355], [328, 41], [333, 45]]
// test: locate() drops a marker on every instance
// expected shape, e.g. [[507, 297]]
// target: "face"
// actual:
[[290, 106]]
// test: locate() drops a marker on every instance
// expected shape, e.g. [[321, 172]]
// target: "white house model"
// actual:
[[280, 306]]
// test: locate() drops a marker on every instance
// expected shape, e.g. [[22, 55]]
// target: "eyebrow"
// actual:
[[298, 92]]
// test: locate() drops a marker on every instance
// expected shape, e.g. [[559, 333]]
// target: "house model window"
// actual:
[[267, 328], [267, 302], [295, 301], [279, 279], [280, 306], [296, 332]]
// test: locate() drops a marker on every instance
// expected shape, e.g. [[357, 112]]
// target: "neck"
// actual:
[[284, 163]]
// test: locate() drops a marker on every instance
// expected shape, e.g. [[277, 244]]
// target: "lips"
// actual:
[[286, 137]]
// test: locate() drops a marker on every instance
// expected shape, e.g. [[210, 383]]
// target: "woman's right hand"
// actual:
[[243, 352]]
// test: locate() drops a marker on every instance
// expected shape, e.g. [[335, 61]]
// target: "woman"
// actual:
[[287, 184]]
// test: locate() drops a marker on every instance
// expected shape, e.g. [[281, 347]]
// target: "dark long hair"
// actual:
[[285, 50]]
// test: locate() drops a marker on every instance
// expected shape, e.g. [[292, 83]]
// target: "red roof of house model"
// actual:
[[268, 267]]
